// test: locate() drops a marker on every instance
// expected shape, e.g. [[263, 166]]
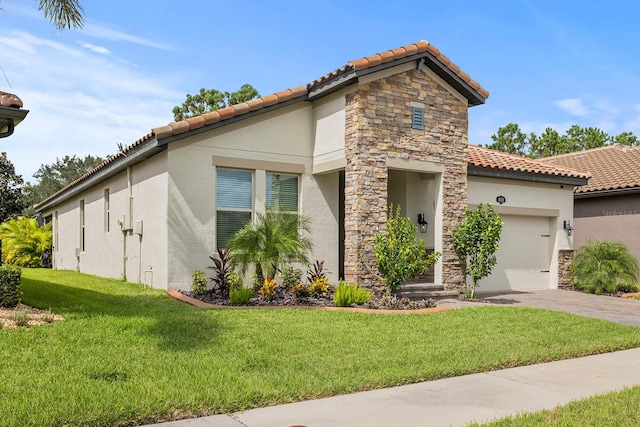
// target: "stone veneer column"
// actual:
[[565, 256], [378, 126]]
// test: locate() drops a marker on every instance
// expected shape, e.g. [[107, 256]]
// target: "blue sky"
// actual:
[[545, 63]]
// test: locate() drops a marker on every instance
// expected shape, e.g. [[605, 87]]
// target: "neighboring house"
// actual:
[[387, 128], [609, 207], [11, 113]]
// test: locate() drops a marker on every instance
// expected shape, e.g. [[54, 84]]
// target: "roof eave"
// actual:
[[10, 117], [525, 176], [345, 79], [605, 193], [123, 161]]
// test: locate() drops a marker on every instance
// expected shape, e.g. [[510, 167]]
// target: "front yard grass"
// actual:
[[618, 408], [128, 355]]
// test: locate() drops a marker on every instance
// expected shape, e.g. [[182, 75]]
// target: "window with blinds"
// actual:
[[234, 202], [282, 192]]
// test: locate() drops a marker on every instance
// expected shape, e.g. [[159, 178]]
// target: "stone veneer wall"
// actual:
[[564, 262], [378, 126]]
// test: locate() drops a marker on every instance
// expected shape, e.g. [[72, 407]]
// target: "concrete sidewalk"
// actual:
[[452, 401]]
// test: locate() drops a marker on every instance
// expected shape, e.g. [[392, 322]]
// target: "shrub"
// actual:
[[301, 290], [391, 302], [276, 239], [222, 267], [316, 271], [290, 277], [235, 281], [10, 291], [399, 255], [269, 289], [24, 241], [476, 242], [319, 287], [602, 266], [240, 295], [347, 295], [199, 284], [21, 318]]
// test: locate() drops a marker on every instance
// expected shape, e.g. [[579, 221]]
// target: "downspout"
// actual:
[[127, 224]]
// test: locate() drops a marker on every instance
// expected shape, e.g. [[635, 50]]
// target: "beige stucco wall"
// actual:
[[280, 141], [114, 253], [526, 199], [328, 133]]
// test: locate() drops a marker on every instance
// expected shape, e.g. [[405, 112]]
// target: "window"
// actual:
[[234, 202], [82, 216], [107, 213], [282, 192]]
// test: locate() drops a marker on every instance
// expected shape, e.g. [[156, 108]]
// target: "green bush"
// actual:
[[347, 295], [399, 255], [10, 292], [602, 266], [290, 277], [199, 282], [240, 296], [24, 242]]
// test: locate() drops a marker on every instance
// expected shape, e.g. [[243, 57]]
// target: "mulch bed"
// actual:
[[23, 316], [289, 300]]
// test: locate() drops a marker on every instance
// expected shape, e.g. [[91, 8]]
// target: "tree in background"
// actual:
[[11, 200], [24, 242], [211, 100], [476, 242], [54, 177], [511, 139]]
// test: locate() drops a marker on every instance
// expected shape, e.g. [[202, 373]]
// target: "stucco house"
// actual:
[[388, 128], [608, 208]]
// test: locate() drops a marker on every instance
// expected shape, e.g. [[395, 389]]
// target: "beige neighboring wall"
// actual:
[[279, 141], [109, 252], [540, 203]]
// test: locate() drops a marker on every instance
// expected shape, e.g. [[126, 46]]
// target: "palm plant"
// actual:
[[274, 241], [602, 266], [24, 241]]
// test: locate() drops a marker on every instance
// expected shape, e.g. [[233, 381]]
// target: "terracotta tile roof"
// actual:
[[10, 100], [491, 159], [614, 167], [301, 92]]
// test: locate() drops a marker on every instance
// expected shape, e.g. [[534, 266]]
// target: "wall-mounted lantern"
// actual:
[[422, 222], [501, 199], [566, 225]]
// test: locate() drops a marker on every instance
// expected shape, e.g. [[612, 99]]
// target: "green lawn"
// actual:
[[610, 409], [127, 355]]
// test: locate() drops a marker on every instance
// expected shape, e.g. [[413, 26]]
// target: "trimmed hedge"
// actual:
[[10, 291]]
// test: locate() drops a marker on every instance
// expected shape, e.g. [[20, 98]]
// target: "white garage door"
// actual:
[[524, 256]]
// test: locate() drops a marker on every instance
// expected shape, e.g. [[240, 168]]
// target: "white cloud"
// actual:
[[573, 106], [79, 103], [97, 49], [101, 32]]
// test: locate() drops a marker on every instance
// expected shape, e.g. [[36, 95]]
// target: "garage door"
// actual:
[[524, 256]]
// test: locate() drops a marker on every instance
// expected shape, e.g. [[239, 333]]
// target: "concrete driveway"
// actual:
[[619, 310]]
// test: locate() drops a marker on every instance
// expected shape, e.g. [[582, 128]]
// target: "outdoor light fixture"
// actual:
[[501, 199], [568, 228], [423, 223]]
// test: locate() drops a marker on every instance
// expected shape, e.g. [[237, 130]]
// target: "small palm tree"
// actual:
[[24, 241], [274, 241], [602, 266]]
